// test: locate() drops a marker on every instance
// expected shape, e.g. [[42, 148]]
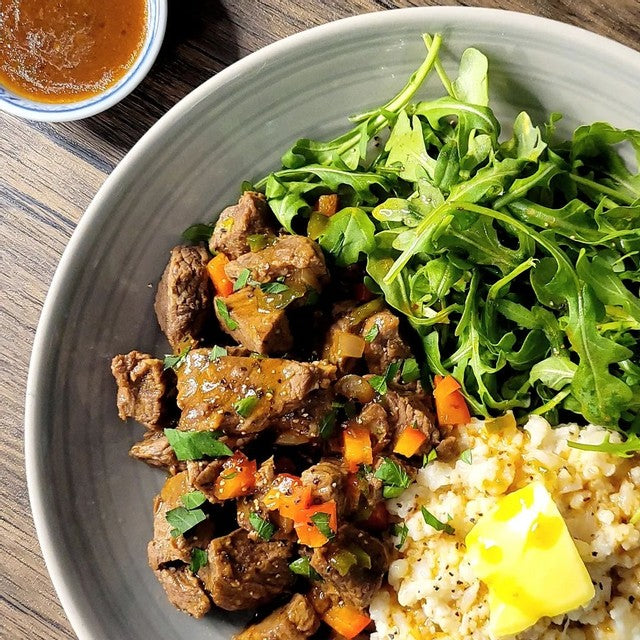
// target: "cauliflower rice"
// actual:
[[433, 592]]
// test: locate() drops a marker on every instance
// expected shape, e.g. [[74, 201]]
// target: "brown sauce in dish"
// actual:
[[65, 50]]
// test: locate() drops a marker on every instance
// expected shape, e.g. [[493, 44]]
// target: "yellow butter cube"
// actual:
[[524, 553]]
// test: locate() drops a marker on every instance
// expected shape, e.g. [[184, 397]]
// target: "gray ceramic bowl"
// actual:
[[91, 503]]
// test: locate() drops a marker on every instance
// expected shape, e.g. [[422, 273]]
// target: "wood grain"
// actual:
[[48, 175]]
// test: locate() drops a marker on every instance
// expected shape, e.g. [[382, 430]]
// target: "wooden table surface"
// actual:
[[50, 172]]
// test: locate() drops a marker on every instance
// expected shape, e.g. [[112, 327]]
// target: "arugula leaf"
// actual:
[[176, 361], [321, 521], [348, 233], [224, 314], [432, 521], [410, 370], [394, 478], [400, 530], [245, 406], [263, 527], [380, 383], [183, 520], [217, 352], [406, 149], [555, 372], [195, 445], [302, 567], [199, 558], [193, 499], [242, 280], [198, 233], [625, 449], [472, 84]]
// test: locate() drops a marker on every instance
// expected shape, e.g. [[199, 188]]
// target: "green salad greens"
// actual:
[[517, 261]]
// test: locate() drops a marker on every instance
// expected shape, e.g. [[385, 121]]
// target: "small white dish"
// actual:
[[23, 107]]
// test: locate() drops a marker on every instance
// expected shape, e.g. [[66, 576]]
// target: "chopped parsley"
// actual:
[[242, 279], [302, 567], [626, 449], [372, 334], [193, 499], [432, 521], [245, 406], [175, 361], [198, 233], [183, 519], [223, 312], [321, 520], [263, 527], [199, 558], [217, 352], [429, 457], [274, 287], [327, 424], [195, 445], [394, 478], [467, 456], [380, 383], [400, 530], [410, 370]]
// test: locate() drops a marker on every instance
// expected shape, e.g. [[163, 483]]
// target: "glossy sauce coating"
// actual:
[[65, 50]]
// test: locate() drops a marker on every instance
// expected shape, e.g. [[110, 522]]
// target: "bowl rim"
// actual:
[[87, 107], [38, 364]]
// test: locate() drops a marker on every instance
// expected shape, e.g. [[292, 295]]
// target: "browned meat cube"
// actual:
[[202, 476], [243, 574], [411, 410], [360, 557], [296, 620], [387, 346], [164, 548], [329, 481], [143, 387], [209, 392], [302, 425], [184, 590], [297, 259], [250, 216], [374, 417], [258, 326], [183, 300], [155, 450]]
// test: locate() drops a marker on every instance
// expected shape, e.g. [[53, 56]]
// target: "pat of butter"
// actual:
[[524, 553]]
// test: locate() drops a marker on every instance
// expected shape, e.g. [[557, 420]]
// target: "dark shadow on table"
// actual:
[[200, 41]]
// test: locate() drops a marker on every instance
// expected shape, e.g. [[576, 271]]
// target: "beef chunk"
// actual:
[[329, 481], [260, 326], [184, 590], [297, 259], [155, 450], [411, 410], [296, 620], [374, 417], [164, 548], [236, 223], [243, 574], [302, 425], [360, 583], [144, 389], [202, 476], [207, 391], [183, 300], [388, 346]]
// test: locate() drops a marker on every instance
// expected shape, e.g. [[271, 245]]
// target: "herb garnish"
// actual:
[[198, 233], [274, 287], [429, 457], [245, 406], [302, 567], [195, 445], [263, 527], [372, 334], [400, 530], [176, 361], [410, 370], [193, 499], [379, 383], [327, 424], [223, 312], [394, 478], [242, 279], [199, 558], [216, 352], [321, 521], [432, 521], [183, 519], [467, 456]]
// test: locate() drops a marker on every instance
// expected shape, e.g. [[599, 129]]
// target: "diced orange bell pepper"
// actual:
[[288, 496], [221, 282], [379, 518], [237, 478], [451, 407], [346, 620], [409, 442], [328, 205], [308, 532], [356, 441]]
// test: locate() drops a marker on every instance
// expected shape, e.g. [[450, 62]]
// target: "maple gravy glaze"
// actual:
[[67, 50]]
